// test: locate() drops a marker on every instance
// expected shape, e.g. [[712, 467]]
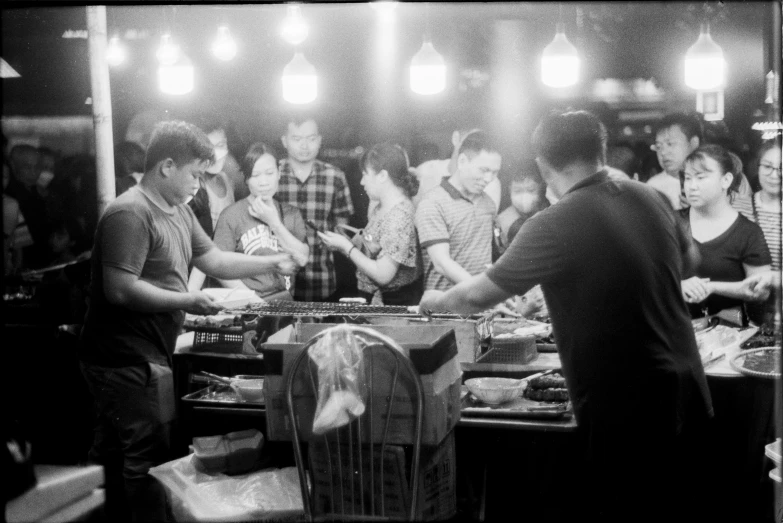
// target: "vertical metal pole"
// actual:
[[101, 105]]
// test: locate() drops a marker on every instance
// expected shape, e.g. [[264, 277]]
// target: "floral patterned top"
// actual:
[[395, 231]]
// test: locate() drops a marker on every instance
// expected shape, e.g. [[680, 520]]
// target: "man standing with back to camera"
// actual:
[[145, 243], [622, 329]]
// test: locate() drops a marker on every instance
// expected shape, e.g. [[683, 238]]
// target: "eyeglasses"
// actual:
[[766, 168]]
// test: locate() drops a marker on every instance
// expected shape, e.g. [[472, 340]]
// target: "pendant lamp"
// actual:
[[115, 52], [560, 61], [428, 70], [300, 82], [168, 52], [224, 47], [705, 67], [176, 78], [294, 30]]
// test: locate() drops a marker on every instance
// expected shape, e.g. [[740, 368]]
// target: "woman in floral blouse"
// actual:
[[390, 271]]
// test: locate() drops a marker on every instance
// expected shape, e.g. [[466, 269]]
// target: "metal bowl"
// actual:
[[494, 391]]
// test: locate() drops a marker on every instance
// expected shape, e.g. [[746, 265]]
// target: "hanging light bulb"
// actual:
[[224, 47], [300, 83], [115, 52], [294, 30], [560, 61], [705, 67], [168, 52], [428, 70], [176, 78]]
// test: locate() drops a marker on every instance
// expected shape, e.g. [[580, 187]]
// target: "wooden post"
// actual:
[[101, 105]]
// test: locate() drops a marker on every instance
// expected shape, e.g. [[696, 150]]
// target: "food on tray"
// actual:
[[757, 341], [218, 320], [767, 361], [550, 387]]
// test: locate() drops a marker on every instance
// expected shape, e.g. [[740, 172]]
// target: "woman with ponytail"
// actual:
[[392, 274]]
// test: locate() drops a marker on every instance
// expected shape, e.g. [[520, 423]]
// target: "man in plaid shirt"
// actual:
[[320, 191]]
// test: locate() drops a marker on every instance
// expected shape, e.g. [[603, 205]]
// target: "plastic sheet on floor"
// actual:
[[270, 494]]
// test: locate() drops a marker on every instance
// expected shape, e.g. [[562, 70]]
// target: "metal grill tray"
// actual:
[[220, 396], [518, 408], [304, 308]]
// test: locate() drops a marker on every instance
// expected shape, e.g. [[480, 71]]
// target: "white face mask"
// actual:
[[220, 157], [44, 179]]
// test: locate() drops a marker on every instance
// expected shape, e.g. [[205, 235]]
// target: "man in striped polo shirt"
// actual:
[[455, 219]]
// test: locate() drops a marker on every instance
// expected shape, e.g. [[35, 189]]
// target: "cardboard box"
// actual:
[[437, 492], [433, 353], [467, 331]]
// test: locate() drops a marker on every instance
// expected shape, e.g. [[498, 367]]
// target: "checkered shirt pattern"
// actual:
[[322, 197], [445, 216]]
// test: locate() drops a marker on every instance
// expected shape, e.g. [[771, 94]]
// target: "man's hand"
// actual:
[[531, 303], [430, 301], [266, 212], [507, 308], [202, 304], [695, 289]]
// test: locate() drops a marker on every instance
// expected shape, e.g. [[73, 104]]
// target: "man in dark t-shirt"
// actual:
[[609, 258], [145, 243]]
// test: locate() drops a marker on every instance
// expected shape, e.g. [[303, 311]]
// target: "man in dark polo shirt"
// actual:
[[145, 243], [609, 257]]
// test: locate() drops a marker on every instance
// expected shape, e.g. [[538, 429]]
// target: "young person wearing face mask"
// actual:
[[216, 192], [732, 248], [260, 225], [527, 198]]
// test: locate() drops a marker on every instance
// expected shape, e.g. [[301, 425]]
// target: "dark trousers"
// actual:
[[134, 407]]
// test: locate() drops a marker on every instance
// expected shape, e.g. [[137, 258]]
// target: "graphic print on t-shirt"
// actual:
[[259, 237]]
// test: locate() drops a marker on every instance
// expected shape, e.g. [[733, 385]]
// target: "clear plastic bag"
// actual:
[[197, 496], [341, 388]]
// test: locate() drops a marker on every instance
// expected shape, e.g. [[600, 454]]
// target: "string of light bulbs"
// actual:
[[704, 63]]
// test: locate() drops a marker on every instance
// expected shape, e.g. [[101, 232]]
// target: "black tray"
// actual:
[[220, 396]]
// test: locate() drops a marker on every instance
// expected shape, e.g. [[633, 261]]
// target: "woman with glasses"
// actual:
[[392, 274], [731, 246]]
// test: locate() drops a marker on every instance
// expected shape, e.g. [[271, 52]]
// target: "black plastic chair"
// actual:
[[346, 466]]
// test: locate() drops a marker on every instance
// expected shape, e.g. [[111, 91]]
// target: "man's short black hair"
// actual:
[[689, 124], [181, 141], [298, 118], [563, 138], [476, 142], [210, 122]]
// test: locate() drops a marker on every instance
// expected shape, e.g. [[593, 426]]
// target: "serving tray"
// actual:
[[518, 408], [738, 362]]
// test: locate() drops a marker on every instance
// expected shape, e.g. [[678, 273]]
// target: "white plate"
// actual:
[[233, 298]]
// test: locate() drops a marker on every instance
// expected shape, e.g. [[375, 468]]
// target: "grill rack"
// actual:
[[303, 308]]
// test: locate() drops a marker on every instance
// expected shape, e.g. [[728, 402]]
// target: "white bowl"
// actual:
[[494, 391], [249, 389]]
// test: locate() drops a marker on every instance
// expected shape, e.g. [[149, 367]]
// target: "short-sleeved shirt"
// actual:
[[444, 215], [323, 198], [157, 245], [621, 326], [238, 231], [671, 187], [722, 259], [769, 221], [395, 231]]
